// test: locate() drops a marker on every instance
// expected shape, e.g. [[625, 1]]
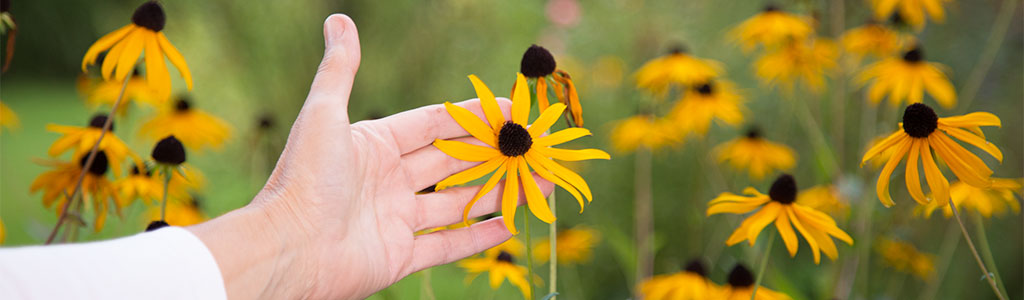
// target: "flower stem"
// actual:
[[553, 242], [88, 163], [764, 265], [644, 222], [828, 160], [529, 256], [988, 276], [986, 252], [167, 184], [988, 54]]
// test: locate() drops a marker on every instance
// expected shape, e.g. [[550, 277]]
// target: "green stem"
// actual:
[[985, 272], [830, 165], [167, 184], [529, 256], [988, 55], [986, 251], [553, 243], [764, 265]]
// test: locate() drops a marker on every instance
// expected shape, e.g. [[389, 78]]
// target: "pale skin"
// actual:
[[338, 215]]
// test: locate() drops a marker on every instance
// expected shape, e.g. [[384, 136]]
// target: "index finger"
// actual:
[[414, 129]]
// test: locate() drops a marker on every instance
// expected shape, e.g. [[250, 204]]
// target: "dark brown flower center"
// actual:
[[919, 120], [740, 277], [169, 151], [914, 55], [99, 166], [182, 105], [753, 133], [514, 140], [783, 189], [771, 7], [150, 15], [98, 120], [156, 225], [537, 62], [677, 49], [505, 257], [705, 89], [266, 122], [696, 266]]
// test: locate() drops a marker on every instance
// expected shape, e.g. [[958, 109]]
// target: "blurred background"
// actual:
[[255, 60]]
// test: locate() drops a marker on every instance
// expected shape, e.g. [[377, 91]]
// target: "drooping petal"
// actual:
[[521, 101], [547, 118], [466, 151], [936, 181], [892, 139], [130, 55], [488, 103], [487, 187], [786, 231], [114, 55], [472, 124], [975, 140], [510, 196], [965, 165], [175, 57], [912, 175], [814, 218], [561, 136], [105, 43], [542, 95], [471, 173], [565, 174], [807, 235], [762, 218], [535, 200], [547, 175], [156, 70], [882, 188], [972, 119]]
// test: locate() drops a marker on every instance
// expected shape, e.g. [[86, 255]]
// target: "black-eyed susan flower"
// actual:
[[824, 198], [873, 39], [645, 131], [755, 154], [780, 206], [906, 78], [195, 128], [538, 65], [142, 185], [573, 246], [923, 131], [138, 91], [712, 100], [512, 149], [142, 36], [995, 200], [8, 119], [499, 263], [806, 62], [96, 189], [770, 28], [179, 213], [676, 68], [740, 286], [905, 258], [80, 141], [910, 11], [690, 284]]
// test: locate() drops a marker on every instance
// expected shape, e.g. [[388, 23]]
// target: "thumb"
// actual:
[[334, 77]]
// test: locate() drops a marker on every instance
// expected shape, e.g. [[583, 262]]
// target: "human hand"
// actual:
[[338, 215]]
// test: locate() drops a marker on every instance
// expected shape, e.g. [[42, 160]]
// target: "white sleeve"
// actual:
[[169, 263]]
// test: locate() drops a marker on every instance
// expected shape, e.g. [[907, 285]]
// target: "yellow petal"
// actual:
[[734, 207], [465, 151], [547, 118], [561, 136], [472, 124], [762, 218], [972, 119], [547, 175], [936, 181], [175, 57], [542, 94], [565, 174], [156, 70], [968, 167], [912, 176], [104, 43], [882, 188], [510, 196], [885, 144], [975, 140], [807, 235], [487, 187], [534, 197], [521, 101], [488, 103], [787, 233], [573, 155], [130, 55], [114, 55], [470, 174], [814, 218]]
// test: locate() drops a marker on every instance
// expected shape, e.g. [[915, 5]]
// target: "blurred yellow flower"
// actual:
[[126, 44], [80, 141], [755, 154], [995, 200], [706, 102], [537, 65], [676, 68], [690, 284], [61, 181], [138, 90], [574, 246], [741, 284], [824, 198], [804, 61], [779, 207], [873, 39], [923, 131], [905, 258], [139, 185], [770, 28], [499, 263], [195, 128], [8, 119], [179, 213], [512, 148], [644, 131], [910, 11], [905, 79]]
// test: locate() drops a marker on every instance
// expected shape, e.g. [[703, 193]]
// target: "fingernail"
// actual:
[[335, 29]]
